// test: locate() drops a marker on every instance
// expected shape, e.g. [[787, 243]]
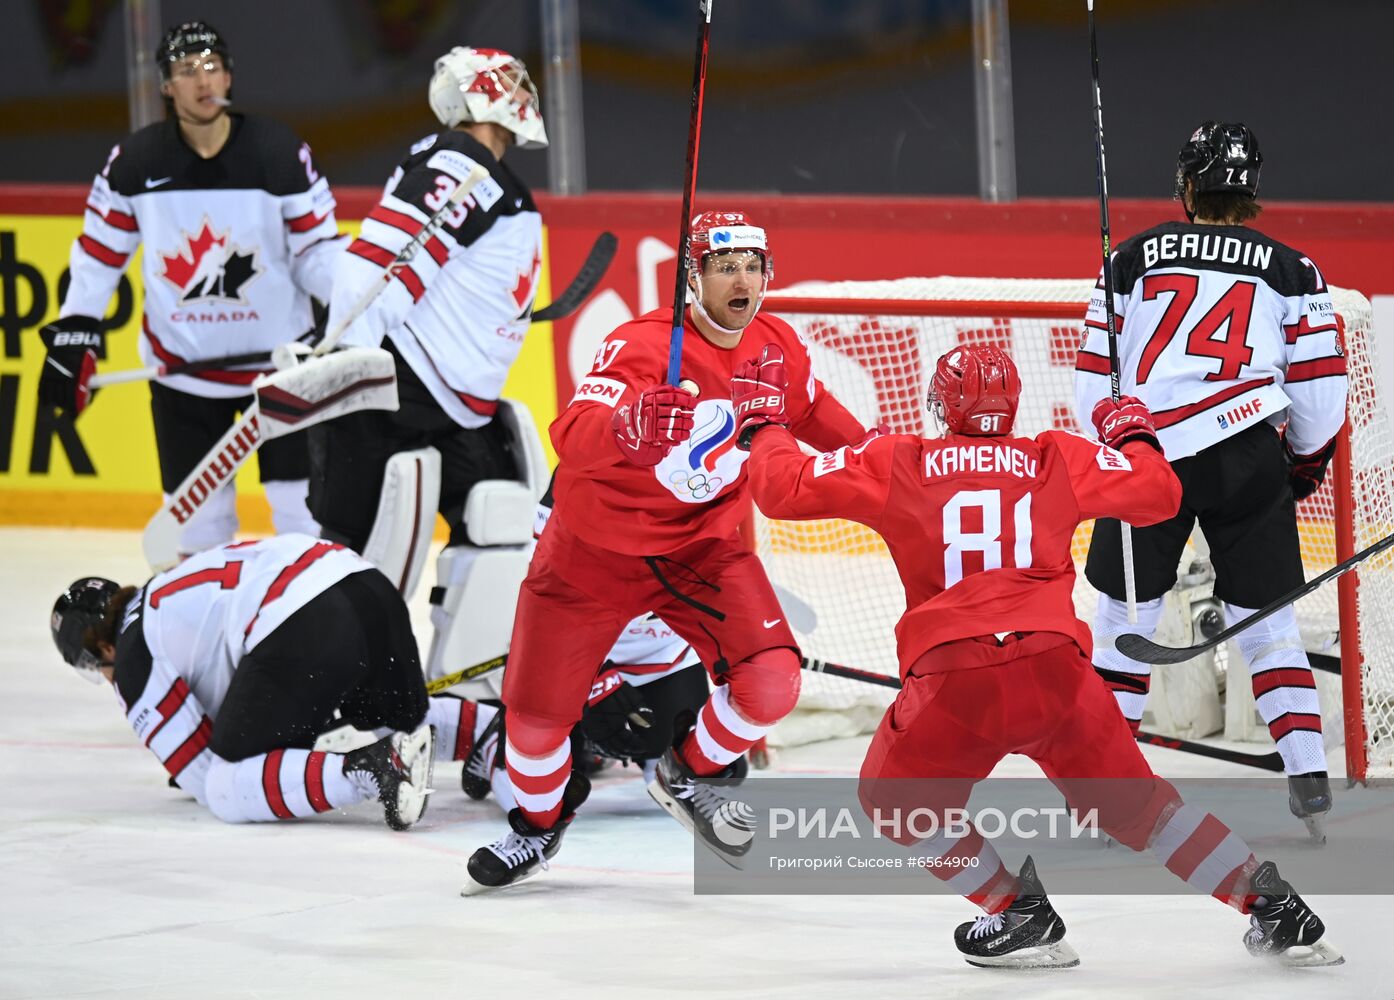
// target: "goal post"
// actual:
[[874, 345]]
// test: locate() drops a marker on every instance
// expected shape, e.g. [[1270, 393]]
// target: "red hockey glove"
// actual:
[[647, 428], [1124, 421], [73, 345], [757, 394], [1307, 472]]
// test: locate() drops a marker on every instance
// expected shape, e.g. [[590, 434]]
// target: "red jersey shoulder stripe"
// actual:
[[284, 579], [117, 220], [101, 252], [304, 223]]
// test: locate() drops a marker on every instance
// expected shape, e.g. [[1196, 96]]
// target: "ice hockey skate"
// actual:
[[398, 768], [479, 765], [525, 849], [724, 824], [1283, 926], [1029, 934], [1309, 798]]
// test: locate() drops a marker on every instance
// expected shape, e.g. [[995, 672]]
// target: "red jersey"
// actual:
[[979, 527], [699, 490]]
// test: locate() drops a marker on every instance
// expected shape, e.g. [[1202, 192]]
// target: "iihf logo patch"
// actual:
[[1223, 422]]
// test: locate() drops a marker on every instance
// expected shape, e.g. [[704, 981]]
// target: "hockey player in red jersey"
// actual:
[[993, 660], [239, 232], [1225, 334], [231, 664], [650, 491]]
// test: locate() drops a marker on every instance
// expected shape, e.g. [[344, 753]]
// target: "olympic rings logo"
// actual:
[[697, 484]]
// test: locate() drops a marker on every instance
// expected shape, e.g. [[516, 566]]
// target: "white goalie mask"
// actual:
[[487, 85]]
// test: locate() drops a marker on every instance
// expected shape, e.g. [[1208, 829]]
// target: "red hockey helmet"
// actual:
[[975, 390], [723, 232]]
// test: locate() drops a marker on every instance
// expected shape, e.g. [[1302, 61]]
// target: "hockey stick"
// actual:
[[689, 190], [592, 270], [1266, 762], [1272, 761], [1114, 365], [467, 674], [318, 389], [1145, 650]]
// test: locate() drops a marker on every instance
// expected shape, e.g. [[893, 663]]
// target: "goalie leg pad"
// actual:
[[215, 523], [401, 535], [472, 611]]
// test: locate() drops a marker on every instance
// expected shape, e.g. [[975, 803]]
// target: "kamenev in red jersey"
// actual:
[[979, 524], [650, 491]]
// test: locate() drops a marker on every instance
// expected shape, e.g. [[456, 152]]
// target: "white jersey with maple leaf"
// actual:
[[458, 312], [235, 245]]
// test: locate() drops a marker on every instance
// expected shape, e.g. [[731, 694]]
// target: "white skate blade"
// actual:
[[473, 888], [1311, 956], [1316, 826], [1047, 956], [672, 808], [418, 758]]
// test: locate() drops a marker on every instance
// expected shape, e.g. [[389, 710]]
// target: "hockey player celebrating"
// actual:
[[650, 491], [239, 232], [651, 685], [231, 664], [1226, 335], [454, 319], [992, 658]]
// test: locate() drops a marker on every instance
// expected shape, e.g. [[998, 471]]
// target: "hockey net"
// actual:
[[874, 345]]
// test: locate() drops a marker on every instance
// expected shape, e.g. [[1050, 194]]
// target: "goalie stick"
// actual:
[[689, 187], [1114, 366], [320, 388], [1263, 761], [597, 261], [1137, 647]]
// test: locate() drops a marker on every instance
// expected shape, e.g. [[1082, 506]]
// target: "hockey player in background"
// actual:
[[650, 491], [1230, 339], [239, 232], [993, 660], [455, 320], [230, 665]]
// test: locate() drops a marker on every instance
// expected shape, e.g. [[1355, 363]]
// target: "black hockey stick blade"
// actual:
[[1263, 761], [592, 270], [1144, 650]]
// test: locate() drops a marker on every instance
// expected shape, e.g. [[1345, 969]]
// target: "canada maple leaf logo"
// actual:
[[208, 266], [522, 291]]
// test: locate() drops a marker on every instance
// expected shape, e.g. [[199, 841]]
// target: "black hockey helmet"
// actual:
[[1220, 156], [77, 609], [189, 39]]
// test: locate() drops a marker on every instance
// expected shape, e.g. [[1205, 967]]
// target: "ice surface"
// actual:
[[114, 885]]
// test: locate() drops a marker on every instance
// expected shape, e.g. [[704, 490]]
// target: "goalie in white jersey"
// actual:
[[230, 666], [1231, 340], [239, 232]]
